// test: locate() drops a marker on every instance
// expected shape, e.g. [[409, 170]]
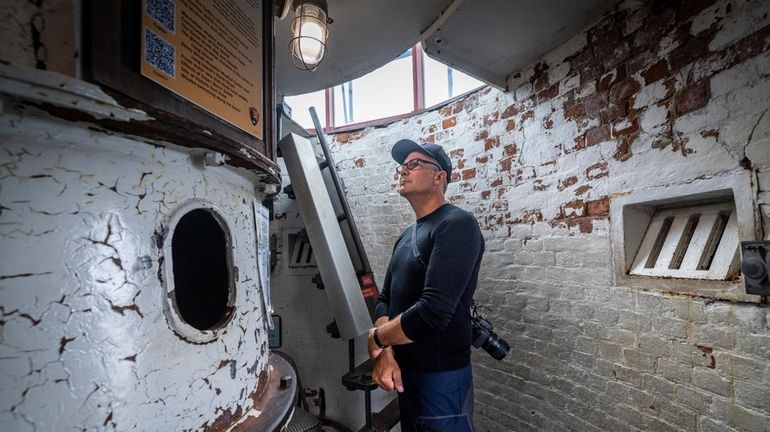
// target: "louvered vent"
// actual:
[[698, 242]]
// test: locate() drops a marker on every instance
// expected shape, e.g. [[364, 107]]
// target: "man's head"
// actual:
[[425, 168]]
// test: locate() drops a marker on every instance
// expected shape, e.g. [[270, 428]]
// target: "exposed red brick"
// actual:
[[598, 208], [580, 144], [490, 119], [491, 143], [512, 110], [461, 164], [656, 72], [482, 159], [753, 44], [589, 72], [597, 171], [639, 63], [500, 205], [449, 123], [594, 103], [432, 128], [575, 112], [457, 106], [510, 125], [539, 185], [585, 225], [505, 165], [582, 189], [571, 209], [567, 182], [691, 49], [469, 174], [502, 191], [360, 162], [457, 153], [527, 115], [598, 134], [510, 150], [548, 94], [623, 152], [613, 112], [695, 97], [481, 135], [605, 81], [529, 216], [445, 111], [548, 123], [455, 176], [347, 137], [498, 181], [623, 90], [485, 194], [625, 129], [430, 138], [710, 133]]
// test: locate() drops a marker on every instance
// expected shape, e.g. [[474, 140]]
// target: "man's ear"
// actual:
[[440, 177]]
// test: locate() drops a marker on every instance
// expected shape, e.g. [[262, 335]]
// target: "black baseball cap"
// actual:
[[403, 147]]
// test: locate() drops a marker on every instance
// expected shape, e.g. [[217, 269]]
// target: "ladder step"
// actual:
[[386, 419]]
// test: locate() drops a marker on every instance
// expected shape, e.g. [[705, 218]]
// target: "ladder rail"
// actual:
[[338, 187]]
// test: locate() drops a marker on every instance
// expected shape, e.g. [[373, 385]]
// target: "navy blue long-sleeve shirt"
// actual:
[[434, 297]]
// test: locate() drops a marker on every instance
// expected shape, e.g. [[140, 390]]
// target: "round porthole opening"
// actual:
[[202, 292]]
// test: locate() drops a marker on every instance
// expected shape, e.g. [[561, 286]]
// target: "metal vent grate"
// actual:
[[698, 242], [300, 251]]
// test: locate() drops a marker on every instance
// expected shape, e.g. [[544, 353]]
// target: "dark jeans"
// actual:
[[437, 401]]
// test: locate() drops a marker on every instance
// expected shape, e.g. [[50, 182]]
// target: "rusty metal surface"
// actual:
[[274, 406]]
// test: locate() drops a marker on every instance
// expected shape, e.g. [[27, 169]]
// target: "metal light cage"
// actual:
[[307, 16]]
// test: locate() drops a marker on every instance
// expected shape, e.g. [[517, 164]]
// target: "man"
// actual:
[[421, 341]]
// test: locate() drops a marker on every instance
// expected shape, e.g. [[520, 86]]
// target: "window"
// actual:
[[405, 86]]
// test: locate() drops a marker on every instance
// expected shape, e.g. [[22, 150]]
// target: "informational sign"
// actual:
[[210, 53], [262, 220]]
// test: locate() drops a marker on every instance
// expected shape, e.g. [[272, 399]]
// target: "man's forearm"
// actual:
[[390, 331]]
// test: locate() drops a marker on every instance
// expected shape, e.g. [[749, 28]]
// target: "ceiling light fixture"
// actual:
[[310, 30]]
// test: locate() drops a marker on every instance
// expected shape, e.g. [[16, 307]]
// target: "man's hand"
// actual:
[[386, 372]]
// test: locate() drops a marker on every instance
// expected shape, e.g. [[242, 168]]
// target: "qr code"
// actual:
[[159, 53], [163, 12]]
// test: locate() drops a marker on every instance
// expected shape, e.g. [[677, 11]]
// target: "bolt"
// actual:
[[285, 382]]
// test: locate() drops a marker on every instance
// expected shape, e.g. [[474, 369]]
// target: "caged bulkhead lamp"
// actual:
[[309, 33]]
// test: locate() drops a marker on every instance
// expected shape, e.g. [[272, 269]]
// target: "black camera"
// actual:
[[484, 336]]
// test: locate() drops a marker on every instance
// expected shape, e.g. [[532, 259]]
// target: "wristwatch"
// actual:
[[377, 340]]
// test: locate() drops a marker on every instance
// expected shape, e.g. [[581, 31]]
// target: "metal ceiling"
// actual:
[[488, 39]]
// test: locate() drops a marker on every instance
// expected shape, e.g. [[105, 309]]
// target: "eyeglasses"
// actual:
[[414, 163]]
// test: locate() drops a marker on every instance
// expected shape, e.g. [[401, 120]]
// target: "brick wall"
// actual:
[[655, 94]]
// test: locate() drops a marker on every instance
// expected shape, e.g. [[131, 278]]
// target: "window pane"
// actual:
[[384, 92], [443, 82], [301, 104]]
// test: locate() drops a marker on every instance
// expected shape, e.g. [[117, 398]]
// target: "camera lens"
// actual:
[[496, 347]]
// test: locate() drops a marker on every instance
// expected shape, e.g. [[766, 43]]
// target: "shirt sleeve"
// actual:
[[382, 308], [457, 246]]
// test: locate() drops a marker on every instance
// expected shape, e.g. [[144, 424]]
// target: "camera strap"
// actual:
[[415, 250]]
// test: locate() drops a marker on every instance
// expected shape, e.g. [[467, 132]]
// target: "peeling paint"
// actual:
[[82, 321]]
